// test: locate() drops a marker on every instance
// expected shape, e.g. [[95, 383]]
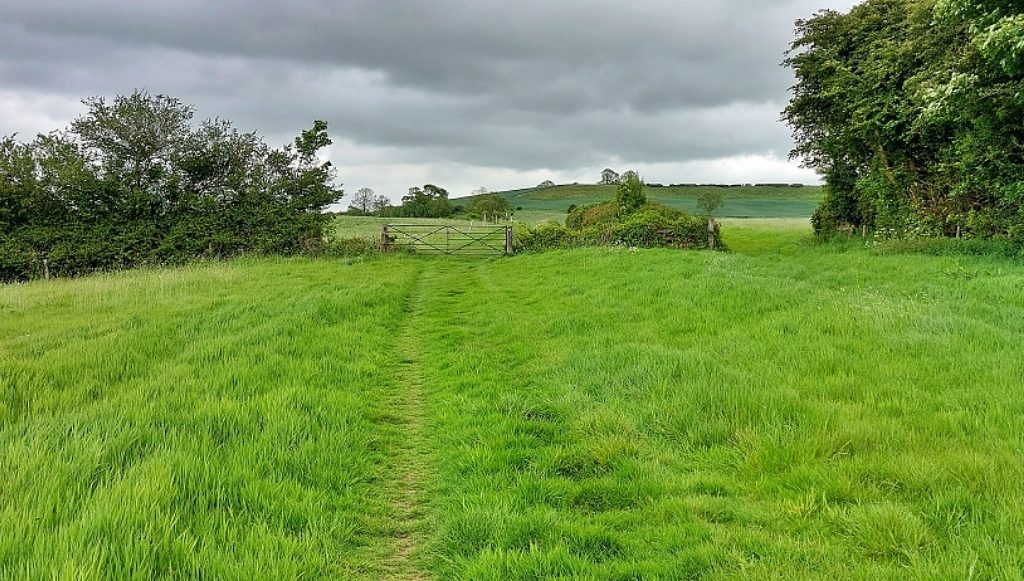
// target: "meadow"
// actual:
[[785, 410]]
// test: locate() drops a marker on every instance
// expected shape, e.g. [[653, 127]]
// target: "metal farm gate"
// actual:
[[445, 239]]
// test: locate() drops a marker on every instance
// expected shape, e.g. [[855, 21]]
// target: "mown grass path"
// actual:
[[410, 460]]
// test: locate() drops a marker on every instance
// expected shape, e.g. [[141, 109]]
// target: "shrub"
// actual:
[[545, 236], [692, 232], [645, 229], [133, 182], [630, 192], [605, 214], [575, 218]]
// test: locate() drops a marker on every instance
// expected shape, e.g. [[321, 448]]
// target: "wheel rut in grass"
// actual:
[[411, 460]]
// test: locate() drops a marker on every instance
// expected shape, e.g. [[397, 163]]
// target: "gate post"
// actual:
[[385, 243], [508, 241]]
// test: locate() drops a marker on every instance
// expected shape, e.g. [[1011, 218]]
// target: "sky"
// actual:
[[464, 94]]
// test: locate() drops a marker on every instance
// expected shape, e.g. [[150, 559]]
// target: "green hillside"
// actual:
[[740, 201]]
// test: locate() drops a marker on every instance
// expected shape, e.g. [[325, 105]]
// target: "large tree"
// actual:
[[490, 207], [363, 200], [609, 177], [430, 201], [911, 115]]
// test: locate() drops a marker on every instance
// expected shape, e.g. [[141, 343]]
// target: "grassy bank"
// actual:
[[788, 410]]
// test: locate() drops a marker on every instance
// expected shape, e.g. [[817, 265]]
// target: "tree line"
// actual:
[[133, 182], [912, 110], [429, 201]]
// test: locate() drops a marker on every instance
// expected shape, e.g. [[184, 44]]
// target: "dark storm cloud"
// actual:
[[523, 85]]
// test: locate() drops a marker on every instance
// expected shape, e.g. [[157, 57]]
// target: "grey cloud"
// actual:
[[522, 85]]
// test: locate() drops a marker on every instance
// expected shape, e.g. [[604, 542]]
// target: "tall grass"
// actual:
[[218, 422], [797, 412], [787, 410]]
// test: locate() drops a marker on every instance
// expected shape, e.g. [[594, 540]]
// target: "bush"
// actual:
[[545, 236], [644, 229], [692, 232], [629, 194], [657, 226], [606, 214]]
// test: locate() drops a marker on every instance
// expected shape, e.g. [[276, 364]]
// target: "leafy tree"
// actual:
[[363, 201], [133, 138], [609, 177], [488, 207], [996, 28], [630, 193], [546, 184], [710, 200], [430, 201], [133, 182], [379, 203], [905, 111]]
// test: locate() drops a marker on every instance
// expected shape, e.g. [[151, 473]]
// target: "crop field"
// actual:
[[739, 202], [786, 410]]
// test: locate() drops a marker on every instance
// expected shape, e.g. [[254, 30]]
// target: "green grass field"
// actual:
[[784, 411], [740, 202], [370, 226]]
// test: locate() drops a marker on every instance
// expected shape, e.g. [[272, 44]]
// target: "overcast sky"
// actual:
[[460, 93]]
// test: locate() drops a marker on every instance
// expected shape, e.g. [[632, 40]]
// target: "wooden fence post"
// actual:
[[46, 268], [385, 243], [508, 240], [711, 232]]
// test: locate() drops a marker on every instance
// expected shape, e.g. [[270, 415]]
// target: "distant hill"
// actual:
[[746, 201]]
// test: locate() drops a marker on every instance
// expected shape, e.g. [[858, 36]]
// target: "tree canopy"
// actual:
[[630, 192], [609, 177], [430, 201], [132, 182], [910, 110], [490, 207], [366, 201]]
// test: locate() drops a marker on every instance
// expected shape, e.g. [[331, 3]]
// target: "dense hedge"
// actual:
[[132, 182], [911, 112], [651, 226]]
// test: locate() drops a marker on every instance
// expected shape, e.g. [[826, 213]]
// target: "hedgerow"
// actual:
[[133, 183]]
